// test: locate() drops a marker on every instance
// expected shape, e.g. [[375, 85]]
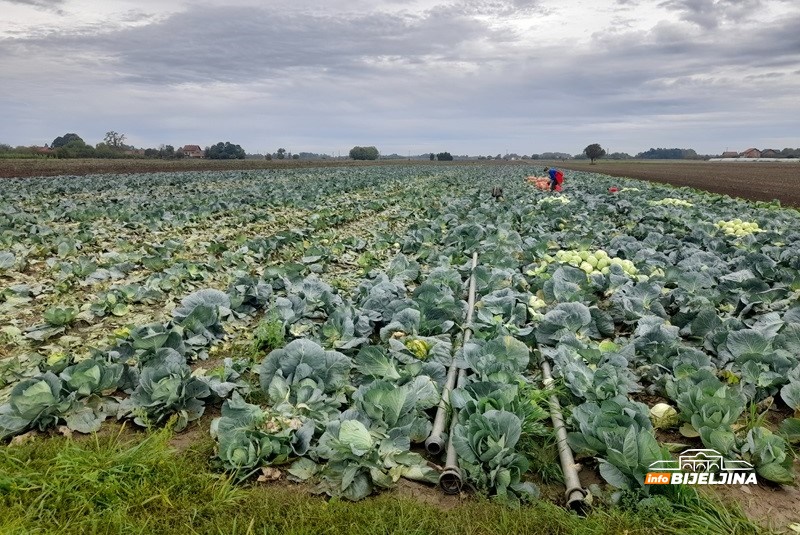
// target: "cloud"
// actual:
[[246, 44], [466, 73], [37, 3], [710, 14]]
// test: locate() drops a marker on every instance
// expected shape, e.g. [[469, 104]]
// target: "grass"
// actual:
[[136, 483]]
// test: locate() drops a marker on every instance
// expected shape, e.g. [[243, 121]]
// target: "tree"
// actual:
[[667, 154], [167, 152], [281, 154], [225, 151], [432, 156], [594, 151], [364, 153], [114, 139], [60, 141], [444, 157], [76, 148]]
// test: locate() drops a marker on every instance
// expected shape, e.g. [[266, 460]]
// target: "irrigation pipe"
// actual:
[[434, 444], [451, 480], [575, 494]]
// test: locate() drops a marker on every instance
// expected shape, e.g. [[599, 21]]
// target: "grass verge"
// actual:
[[138, 484]]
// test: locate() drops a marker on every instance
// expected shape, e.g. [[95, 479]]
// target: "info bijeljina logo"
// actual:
[[701, 467]]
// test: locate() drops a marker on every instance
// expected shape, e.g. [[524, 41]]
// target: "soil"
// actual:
[[774, 507], [757, 181], [428, 495]]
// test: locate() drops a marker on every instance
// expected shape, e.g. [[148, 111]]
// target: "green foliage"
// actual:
[[667, 154], [364, 153], [66, 139], [594, 152], [124, 483], [34, 403], [269, 334], [166, 387], [225, 151], [485, 444]]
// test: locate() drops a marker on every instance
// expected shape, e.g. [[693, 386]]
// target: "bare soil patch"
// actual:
[[775, 507], [756, 181]]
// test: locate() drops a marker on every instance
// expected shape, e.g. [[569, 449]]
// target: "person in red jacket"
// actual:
[[556, 178]]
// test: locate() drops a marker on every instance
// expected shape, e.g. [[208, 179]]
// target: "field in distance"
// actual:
[[757, 181]]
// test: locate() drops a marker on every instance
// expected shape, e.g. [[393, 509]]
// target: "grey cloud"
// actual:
[[241, 44], [48, 5], [709, 13], [37, 3], [441, 74]]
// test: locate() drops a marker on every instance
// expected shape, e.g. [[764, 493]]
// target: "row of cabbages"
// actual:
[[347, 417]]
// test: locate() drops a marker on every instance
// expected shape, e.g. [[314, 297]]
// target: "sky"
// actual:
[[480, 77]]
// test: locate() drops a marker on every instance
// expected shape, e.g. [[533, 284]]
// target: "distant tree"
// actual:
[[281, 154], [103, 150], [444, 157], [167, 152], [268, 157], [114, 139], [60, 141], [151, 153], [618, 156], [225, 151], [432, 157], [295, 156], [594, 151], [364, 153], [667, 154], [76, 148]]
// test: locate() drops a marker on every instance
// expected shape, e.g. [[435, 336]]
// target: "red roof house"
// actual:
[[192, 151], [751, 153]]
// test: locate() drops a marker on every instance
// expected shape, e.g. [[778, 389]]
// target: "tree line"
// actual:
[[71, 145]]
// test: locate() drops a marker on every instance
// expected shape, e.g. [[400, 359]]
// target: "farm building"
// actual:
[[751, 153], [770, 153], [730, 154], [192, 151]]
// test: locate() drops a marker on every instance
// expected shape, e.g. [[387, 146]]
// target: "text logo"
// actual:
[[701, 467]]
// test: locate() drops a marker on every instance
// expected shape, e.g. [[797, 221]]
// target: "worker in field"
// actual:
[[556, 178], [497, 193]]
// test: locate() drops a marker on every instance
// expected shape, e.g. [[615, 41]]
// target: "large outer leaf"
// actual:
[[302, 359], [746, 342]]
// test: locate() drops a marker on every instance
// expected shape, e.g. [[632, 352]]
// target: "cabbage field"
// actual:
[[307, 320]]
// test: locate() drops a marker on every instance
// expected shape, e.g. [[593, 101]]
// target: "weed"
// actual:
[[269, 334]]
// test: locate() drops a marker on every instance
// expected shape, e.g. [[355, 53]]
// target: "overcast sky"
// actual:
[[468, 77]]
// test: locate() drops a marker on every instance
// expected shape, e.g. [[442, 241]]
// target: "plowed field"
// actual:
[[759, 181]]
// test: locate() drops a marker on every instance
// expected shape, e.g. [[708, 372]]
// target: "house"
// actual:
[[730, 154], [192, 151], [770, 153], [751, 153]]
